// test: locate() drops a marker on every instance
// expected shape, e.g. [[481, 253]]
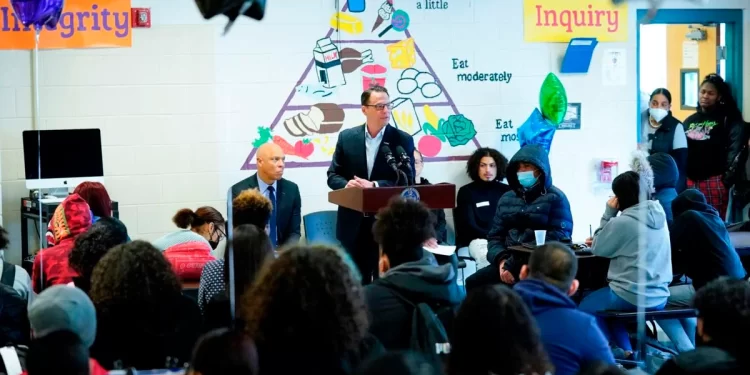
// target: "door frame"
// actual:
[[733, 19]]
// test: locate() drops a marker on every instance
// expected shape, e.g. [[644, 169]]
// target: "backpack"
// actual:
[[14, 318], [428, 334]]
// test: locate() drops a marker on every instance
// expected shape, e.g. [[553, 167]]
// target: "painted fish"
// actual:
[[315, 90]]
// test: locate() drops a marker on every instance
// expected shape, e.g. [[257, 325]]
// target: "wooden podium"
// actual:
[[369, 201]]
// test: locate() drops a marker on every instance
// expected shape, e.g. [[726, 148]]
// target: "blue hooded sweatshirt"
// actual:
[[666, 178], [571, 337]]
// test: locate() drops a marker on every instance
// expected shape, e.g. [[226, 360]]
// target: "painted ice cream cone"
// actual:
[[384, 13]]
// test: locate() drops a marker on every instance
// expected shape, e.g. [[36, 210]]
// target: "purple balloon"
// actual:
[[38, 12]]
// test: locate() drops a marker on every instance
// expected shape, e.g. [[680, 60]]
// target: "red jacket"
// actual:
[[71, 218]]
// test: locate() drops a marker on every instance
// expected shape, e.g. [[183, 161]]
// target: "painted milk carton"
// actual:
[[328, 64]]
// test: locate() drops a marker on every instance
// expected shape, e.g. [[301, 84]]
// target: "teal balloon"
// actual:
[[553, 101]]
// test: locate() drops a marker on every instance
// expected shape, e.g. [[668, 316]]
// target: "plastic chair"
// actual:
[[320, 227]]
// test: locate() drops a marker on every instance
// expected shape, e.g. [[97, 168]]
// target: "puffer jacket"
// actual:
[[522, 211]]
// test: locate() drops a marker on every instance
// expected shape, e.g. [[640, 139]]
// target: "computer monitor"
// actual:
[[62, 158]]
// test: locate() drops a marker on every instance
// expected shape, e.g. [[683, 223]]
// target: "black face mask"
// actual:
[[214, 244]]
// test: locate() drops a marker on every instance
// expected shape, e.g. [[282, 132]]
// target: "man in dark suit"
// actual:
[[284, 225], [358, 164]]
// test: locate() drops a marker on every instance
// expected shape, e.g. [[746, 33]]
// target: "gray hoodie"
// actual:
[[617, 239]]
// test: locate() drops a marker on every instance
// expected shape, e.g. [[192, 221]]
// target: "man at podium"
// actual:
[[359, 162]]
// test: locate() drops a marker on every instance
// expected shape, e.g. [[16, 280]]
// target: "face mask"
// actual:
[[214, 244], [658, 114], [527, 179]]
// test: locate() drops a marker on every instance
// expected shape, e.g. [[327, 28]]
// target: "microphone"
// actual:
[[389, 158], [405, 161]]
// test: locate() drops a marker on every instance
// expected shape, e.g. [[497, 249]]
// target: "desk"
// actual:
[[30, 212], [592, 270]]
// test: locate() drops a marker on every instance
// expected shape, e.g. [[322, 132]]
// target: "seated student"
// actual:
[[143, 319], [61, 308], [441, 230], [21, 281], [533, 204], [71, 218], [702, 250], [639, 269], [701, 247], [723, 328], [407, 271], [224, 352], [476, 201], [546, 284], [190, 248], [494, 333], [91, 246], [248, 207], [666, 177], [307, 315], [251, 249]]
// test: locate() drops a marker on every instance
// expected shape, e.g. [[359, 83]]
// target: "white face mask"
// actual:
[[658, 114]]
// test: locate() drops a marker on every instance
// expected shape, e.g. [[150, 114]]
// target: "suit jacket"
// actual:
[[350, 159], [288, 210]]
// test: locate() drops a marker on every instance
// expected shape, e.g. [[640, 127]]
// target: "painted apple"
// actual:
[[429, 145]]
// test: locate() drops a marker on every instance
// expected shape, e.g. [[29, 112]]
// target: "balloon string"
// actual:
[[37, 126]]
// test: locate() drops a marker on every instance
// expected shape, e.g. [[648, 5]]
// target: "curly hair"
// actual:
[[727, 103], [401, 228], [472, 165], [251, 207], [92, 245], [724, 307], [96, 195], [494, 332], [4, 240], [187, 218], [306, 304], [134, 276]]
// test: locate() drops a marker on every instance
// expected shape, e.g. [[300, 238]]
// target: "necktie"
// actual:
[[272, 224]]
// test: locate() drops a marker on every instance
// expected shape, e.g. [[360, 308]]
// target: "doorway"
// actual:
[[679, 47]]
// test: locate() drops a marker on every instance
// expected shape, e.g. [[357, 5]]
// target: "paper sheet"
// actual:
[[615, 67], [690, 55], [442, 250]]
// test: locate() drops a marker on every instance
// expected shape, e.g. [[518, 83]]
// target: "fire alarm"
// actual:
[[140, 17]]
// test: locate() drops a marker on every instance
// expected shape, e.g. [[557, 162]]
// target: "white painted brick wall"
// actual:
[[179, 109]]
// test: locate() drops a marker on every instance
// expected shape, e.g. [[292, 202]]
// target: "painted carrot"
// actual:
[[285, 146]]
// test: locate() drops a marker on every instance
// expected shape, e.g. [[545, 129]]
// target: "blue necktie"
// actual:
[[272, 224]]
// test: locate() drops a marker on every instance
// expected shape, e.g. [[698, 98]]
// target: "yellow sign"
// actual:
[[559, 21]]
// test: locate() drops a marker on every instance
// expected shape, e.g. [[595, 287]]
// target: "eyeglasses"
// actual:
[[380, 107], [221, 233]]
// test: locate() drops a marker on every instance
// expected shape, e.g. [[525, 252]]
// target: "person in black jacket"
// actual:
[[723, 328], [476, 202], [701, 246], [532, 204], [441, 231], [407, 272], [716, 134], [662, 132]]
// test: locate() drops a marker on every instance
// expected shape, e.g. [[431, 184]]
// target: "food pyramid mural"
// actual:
[[366, 45]]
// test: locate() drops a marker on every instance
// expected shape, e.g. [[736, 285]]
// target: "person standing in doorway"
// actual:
[[358, 163], [715, 136], [662, 132], [286, 217]]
